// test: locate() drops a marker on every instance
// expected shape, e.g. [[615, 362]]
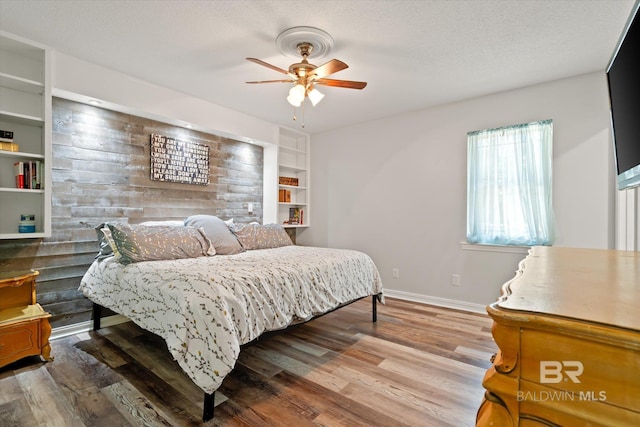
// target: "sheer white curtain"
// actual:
[[509, 185]]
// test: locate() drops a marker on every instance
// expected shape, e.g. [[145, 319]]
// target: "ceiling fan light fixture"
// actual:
[[296, 95], [315, 96], [294, 101]]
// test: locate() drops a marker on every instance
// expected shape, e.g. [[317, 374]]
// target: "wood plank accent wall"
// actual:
[[100, 172]]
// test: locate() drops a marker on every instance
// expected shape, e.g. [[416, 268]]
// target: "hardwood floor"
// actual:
[[419, 365]]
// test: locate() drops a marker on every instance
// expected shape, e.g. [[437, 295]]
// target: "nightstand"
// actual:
[[24, 325]]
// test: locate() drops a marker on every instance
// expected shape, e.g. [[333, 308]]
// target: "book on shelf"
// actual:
[[28, 174], [296, 216], [286, 180], [18, 171], [284, 196], [8, 146], [36, 174]]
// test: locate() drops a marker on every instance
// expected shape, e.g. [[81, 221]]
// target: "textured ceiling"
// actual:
[[413, 54]]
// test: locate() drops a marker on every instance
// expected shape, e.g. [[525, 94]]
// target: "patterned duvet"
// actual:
[[205, 308]]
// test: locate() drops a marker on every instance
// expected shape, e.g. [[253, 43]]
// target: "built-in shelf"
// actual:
[[293, 162], [25, 110], [21, 155], [21, 190], [21, 84]]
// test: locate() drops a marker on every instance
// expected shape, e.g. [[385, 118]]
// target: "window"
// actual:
[[509, 185]]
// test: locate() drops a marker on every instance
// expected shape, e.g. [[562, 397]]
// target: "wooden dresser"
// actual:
[[568, 331], [24, 325]]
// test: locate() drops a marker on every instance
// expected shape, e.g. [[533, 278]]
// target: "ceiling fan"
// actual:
[[304, 75]]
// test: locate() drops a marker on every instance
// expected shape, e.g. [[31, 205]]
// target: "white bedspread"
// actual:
[[206, 307]]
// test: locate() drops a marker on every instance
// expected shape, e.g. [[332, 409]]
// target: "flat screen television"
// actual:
[[623, 77]]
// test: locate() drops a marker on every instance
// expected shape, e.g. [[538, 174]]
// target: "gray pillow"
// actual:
[[137, 243], [257, 236], [218, 232]]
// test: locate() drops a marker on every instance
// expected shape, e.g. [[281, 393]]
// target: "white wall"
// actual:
[[396, 188]]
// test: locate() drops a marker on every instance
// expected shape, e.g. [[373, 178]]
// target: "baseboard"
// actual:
[[76, 328], [440, 302]]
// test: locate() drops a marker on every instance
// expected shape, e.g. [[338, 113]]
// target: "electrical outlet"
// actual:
[[455, 280], [250, 207], [396, 273]]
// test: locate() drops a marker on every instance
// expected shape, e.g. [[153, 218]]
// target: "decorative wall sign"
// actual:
[[180, 161]]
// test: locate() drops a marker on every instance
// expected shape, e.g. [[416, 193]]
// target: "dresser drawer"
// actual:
[[563, 408], [581, 368], [18, 341]]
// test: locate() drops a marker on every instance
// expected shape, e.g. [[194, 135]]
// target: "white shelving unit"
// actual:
[[293, 162], [25, 109]]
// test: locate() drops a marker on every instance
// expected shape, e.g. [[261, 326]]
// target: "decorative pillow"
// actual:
[[105, 243], [109, 238], [224, 241], [257, 236], [137, 243]]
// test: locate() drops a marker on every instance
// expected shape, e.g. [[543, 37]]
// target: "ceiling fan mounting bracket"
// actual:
[[314, 41], [305, 49]]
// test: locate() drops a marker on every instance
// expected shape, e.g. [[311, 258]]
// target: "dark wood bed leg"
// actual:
[[208, 407], [97, 311], [374, 308]]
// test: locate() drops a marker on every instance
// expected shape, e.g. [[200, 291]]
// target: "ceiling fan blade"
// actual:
[[330, 67], [266, 64], [341, 83], [271, 81]]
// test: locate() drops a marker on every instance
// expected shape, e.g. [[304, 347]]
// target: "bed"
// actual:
[[206, 307]]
